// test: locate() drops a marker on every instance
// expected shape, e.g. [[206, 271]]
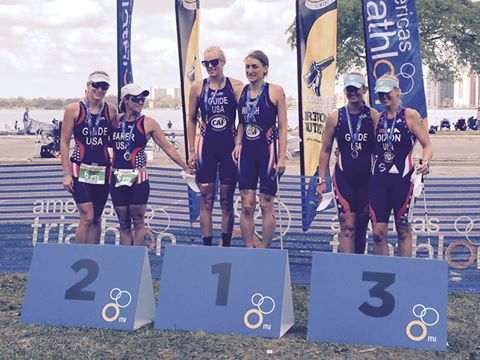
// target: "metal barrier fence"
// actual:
[[35, 208]]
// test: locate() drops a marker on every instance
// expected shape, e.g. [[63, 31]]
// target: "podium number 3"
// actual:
[[76, 292], [384, 280], [223, 270]]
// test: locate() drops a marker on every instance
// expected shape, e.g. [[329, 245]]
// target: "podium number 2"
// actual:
[[76, 292], [223, 270], [384, 280]]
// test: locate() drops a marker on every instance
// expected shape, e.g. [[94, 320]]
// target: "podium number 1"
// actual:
[[384, 280], [223, 270], [76, 292]]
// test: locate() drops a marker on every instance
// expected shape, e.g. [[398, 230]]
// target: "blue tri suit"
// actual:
[[129, 137], [91, 143], [259, 144], [217, 135], [391, 186], [353, 167]]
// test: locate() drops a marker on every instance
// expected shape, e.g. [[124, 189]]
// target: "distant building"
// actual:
[[466, 91]]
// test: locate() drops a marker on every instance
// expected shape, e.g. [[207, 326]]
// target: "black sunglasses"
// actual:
[[100, 85], [213, 62], [137, 99], [384, 95]]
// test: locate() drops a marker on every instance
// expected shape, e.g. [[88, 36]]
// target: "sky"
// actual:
[[49, 47]]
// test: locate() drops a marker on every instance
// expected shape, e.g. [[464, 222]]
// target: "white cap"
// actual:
[[353, 80], [385, 85], [99, 76], [134, 90]]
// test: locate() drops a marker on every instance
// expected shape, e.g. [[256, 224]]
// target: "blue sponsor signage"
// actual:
[[225, 290], [378, 300], [95, 286], [392, 45]]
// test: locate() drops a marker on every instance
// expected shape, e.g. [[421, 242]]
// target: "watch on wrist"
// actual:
[[320, 181]]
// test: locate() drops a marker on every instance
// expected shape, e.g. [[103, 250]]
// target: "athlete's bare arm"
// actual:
[[326, 150], [237, 88], [414, 123], [277, 94], [153, 130], [71, 114]]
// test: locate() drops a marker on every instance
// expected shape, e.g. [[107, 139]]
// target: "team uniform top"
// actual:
[[396, 160], [91, 137], [218, 115], [128, 142], [261, 132], [354, 159]]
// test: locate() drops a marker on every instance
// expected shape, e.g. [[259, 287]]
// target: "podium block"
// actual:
[[94, 286], [378, 300], [225, 290]]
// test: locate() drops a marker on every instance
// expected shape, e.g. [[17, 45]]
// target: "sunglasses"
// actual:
[[384, 95], [213, 62], [137, 99], [100, 85]]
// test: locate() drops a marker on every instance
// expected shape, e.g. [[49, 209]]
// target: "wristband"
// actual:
[[191, 150], [238, 143], [66, 173], [320, 181], [424, 162]]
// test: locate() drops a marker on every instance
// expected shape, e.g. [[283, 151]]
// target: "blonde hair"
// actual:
[[218, 50]]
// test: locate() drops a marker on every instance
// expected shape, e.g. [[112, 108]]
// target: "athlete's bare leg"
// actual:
[[207, 192], [84, 234], [137, 212], [125, 221], [247, 223], [268, 219], [380, 233], [347, 233], [404, 232]]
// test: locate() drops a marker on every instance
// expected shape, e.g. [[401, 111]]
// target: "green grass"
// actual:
[[19, 341]]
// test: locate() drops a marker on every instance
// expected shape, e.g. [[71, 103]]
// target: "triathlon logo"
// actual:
[[313, 78], [318, 4], [428, 317], [218, 122], [264, 306], [190, 4], [122, 299]]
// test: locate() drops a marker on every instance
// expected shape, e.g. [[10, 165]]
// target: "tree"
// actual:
[[449, 36]]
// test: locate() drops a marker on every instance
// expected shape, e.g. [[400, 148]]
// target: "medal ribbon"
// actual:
[[206, 100], [389, 136], [252, 106], [93, 129], [128, 139], [354, 136]]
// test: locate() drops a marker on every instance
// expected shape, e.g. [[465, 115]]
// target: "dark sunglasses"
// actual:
[[100, 85], [384, 95], [137, 99], [213, 62]]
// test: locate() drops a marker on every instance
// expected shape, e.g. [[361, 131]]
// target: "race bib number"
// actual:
[[92, 174], [125, 177]]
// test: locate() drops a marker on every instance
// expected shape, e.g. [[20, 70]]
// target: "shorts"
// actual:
[[209, 160], [85, 193], [390, 192], [124, 195], [351, 192], [255, 165]]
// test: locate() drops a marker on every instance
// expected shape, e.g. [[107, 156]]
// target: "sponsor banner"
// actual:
[[316, 22], [393, 46], [124, 25], [187, 15]]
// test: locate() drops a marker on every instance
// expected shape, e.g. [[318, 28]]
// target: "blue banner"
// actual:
[[124, 25], [393, 46]]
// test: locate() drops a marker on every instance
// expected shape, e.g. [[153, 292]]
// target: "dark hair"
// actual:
[[260, 56]]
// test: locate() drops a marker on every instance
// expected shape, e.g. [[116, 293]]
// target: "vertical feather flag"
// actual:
[[316, 26], [124, 26]]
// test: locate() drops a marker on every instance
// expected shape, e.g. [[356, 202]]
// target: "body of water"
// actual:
[[163, 116]]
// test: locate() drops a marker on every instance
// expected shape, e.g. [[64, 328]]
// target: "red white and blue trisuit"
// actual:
[[391, 186], [128, 142], [259, 141]]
